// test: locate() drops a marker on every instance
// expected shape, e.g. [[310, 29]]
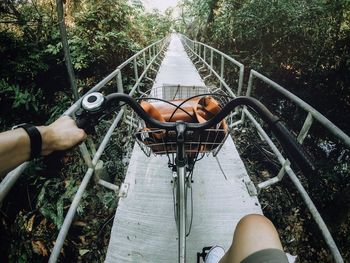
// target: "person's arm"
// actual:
[[15, 144]]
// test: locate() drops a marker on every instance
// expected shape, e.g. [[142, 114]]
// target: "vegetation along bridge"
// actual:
[[144, 229]]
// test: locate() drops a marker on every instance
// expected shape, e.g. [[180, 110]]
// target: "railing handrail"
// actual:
[[223, 56], [117, 73], [283, 161], [11, 178], [109, 77], [307, 107], [72, 209], [239, 64], [121, 66]]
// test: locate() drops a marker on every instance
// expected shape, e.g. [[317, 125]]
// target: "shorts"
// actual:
[[270, 255]]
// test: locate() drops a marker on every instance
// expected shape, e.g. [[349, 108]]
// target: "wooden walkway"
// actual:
[[144, 228]]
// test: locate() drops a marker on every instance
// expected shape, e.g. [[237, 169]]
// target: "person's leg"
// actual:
[[253, 233]]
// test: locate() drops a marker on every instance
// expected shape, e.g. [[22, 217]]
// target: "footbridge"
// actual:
[[144, 228]]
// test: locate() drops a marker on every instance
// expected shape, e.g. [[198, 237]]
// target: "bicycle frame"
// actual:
[[181, 162], [94, 104]]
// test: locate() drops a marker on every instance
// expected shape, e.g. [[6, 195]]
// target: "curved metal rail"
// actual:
[[146, 58], [199, 51]]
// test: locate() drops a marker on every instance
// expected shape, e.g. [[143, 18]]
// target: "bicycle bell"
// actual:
[[93, 102]]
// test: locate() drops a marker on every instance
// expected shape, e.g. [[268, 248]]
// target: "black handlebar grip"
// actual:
[[81, 122], [294, 150], [85, 121]]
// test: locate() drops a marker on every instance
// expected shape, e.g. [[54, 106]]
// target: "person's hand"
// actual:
[[60, 135]]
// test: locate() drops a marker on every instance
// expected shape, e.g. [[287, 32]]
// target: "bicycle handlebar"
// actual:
[[292, 148]]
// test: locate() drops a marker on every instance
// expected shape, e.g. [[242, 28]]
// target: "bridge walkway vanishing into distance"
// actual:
[[144, 228]]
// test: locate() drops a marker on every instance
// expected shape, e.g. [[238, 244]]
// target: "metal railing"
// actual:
[[285, 163], [143, 62], [146, 59], [153, 52], [198, 51]]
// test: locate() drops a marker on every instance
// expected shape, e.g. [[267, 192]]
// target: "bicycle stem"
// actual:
[[181, 159]]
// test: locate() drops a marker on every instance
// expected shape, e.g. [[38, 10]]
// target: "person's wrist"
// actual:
[[47, 140]]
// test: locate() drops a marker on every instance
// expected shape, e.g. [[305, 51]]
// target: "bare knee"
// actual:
[[253, 233], [252, 218], [255, 222], [259, 228]]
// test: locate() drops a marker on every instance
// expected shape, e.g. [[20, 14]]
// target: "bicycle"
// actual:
[[164, 137]]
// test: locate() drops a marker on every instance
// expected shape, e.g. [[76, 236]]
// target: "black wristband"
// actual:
[[35, 139]]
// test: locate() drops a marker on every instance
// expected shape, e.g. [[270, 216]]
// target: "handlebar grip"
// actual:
[[293, 149], [81, 122], [85, 122]]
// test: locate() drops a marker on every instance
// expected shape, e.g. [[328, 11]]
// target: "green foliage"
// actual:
[[108, 199], [26, 99], [302, 45], [62, 103], [34, 88], [153, 26], [51, 201], [54, 49], [101, 35]]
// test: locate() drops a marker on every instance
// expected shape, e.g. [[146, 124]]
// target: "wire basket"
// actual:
[[176, 92], [162, 142]]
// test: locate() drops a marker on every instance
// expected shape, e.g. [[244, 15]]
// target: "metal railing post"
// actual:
[[305, 129], [222, 68], [120, 82], [144, 62], [136, 70], [205, 53], [69, 217], [85, 154], [250, 84], [249, 89], [9, 181], [240, 80]]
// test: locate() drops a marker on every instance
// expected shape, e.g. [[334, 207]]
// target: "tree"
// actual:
[[67, 57]]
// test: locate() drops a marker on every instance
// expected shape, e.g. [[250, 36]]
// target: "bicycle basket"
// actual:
[[197, 110]]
